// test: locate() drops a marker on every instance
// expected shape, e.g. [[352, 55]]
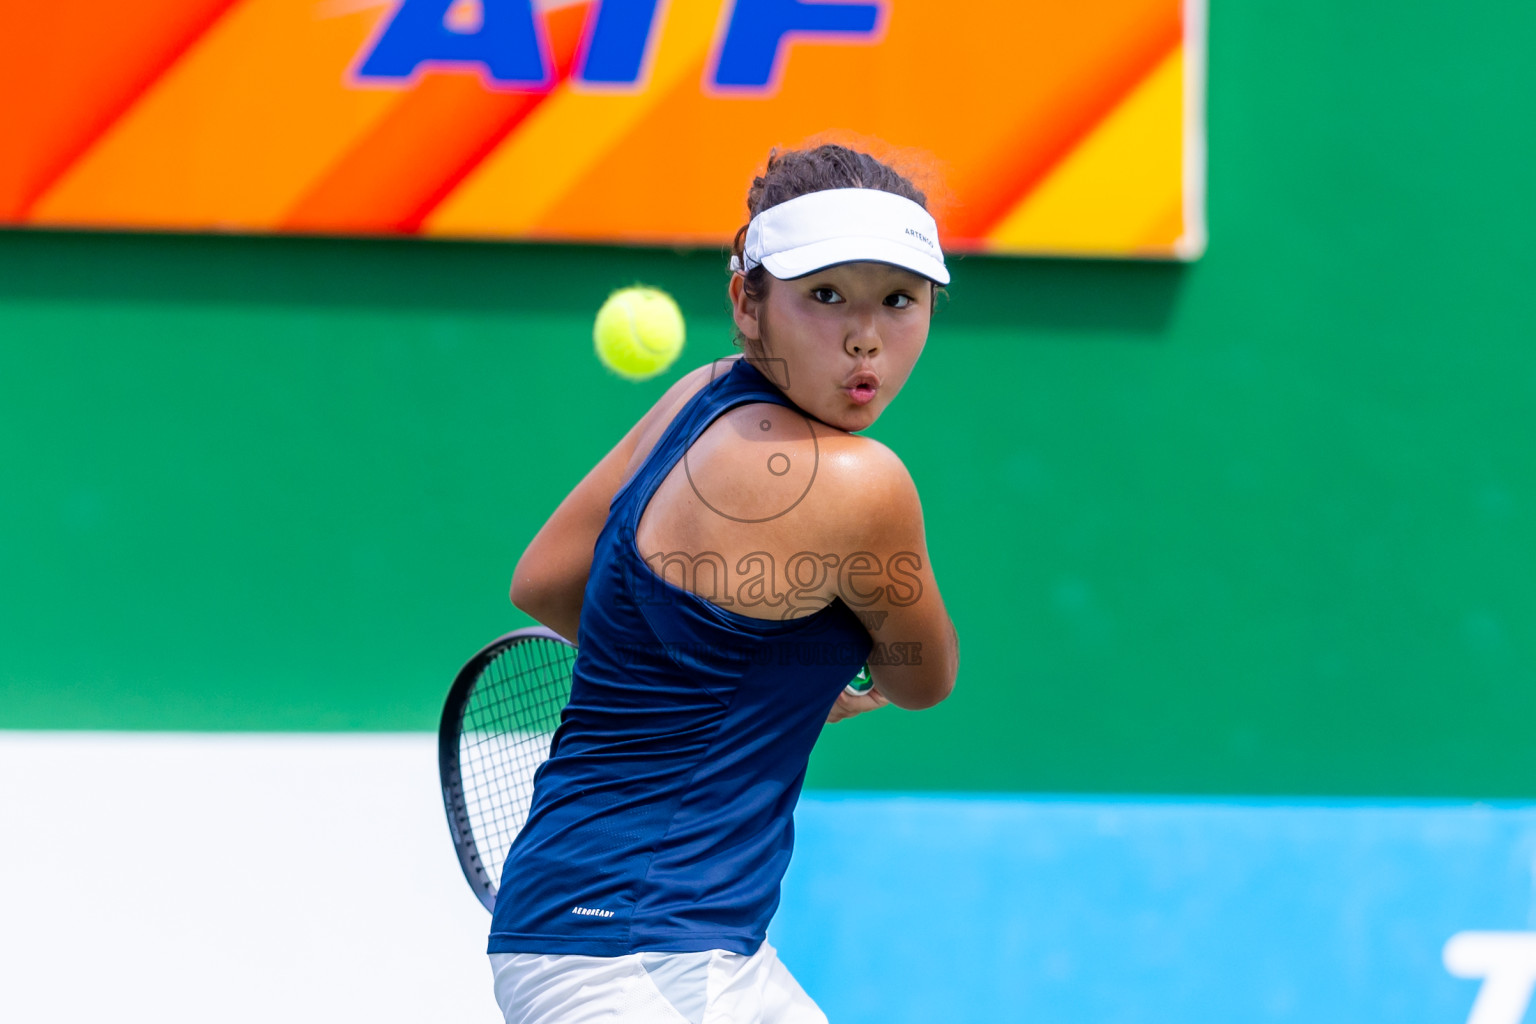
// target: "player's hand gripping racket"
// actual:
[[497, 725], [498, 721]]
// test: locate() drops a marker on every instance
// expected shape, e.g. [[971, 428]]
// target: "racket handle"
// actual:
[[861, 683]]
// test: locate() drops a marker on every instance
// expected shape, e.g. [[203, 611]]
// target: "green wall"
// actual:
[[1263, 524]]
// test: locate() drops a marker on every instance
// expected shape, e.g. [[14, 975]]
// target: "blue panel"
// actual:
[[919, 909]]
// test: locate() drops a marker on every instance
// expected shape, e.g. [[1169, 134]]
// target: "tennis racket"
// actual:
[[497, 725], [498, 722]]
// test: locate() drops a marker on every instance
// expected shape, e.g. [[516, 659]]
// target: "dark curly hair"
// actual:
[[799, 172]]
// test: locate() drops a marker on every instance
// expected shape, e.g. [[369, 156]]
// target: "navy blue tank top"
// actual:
[[663, 818]]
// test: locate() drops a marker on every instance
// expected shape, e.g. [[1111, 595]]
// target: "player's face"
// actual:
[[840, 342]]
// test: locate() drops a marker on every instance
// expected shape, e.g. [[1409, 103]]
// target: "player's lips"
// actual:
[[862, 387]]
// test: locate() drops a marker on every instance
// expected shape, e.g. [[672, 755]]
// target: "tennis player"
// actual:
[[726, 569]]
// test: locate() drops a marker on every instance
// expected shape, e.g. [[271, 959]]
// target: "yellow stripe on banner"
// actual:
[[571, 131], [1121, 190], [237, 130]]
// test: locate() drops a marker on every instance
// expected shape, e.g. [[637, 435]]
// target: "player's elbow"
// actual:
[[927, 682], [929, 693], [922, 700], [547, 599], [918, 688], [529, 596]]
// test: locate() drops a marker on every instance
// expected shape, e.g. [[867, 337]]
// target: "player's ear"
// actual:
[[745, 310]]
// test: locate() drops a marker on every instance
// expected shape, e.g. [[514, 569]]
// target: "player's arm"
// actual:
[[892, 588], [551, 576]]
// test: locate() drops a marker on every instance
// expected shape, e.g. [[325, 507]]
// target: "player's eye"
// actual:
[[899, 300], [826, 295]]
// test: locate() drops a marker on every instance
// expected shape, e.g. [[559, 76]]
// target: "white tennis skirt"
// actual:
[[712, 987]]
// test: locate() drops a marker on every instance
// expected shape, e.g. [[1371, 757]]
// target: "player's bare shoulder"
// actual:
[[863, 464], [774, 466], [757, 464], [871, 485]]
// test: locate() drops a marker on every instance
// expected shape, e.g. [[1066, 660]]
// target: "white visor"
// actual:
[[843, 225]]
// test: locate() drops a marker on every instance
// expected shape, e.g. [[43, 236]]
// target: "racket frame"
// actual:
[[449, 730]]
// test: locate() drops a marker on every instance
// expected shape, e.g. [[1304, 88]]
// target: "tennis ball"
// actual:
[[638, 332]]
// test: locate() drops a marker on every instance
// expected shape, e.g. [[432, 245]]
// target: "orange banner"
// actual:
[[1073, 129]]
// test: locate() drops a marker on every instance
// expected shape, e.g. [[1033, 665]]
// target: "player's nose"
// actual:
[[862, 337]]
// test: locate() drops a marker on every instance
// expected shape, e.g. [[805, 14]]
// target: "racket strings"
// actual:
[[509, 720]]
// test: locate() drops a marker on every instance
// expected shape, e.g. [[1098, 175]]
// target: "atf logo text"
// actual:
[[506, 40]]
